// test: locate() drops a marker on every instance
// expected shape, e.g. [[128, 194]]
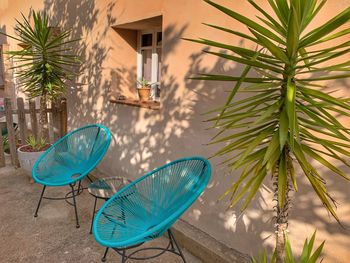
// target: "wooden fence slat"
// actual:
[[58, 120], [11, 133], [23, 132], [33, 118], [64, 117], [2, 151]]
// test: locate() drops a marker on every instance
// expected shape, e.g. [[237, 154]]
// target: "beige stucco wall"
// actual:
[[144, 139]]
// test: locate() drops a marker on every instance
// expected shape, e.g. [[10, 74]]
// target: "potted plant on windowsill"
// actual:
[[144, 89], [30, 152]]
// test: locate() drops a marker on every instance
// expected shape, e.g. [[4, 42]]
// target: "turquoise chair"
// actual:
[[146, 208], [69, 160]]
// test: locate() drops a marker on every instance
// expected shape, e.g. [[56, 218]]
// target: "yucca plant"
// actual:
[[288, 116], [36, 145], [44, 63], [307, 253]]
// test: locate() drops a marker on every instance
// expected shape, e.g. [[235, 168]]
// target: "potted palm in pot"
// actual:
[[43, 67], [30, 152]]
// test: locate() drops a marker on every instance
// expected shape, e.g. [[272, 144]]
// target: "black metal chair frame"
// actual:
[[95, 204], [172, 247], [70, 195]]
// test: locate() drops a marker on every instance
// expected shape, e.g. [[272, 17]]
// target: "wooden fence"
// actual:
[[18, 131]]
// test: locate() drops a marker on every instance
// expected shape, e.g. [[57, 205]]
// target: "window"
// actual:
[[149, 59]]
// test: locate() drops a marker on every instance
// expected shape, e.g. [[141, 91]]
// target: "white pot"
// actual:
[[28, 159]]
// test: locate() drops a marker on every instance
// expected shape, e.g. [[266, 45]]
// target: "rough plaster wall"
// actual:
[[145, 139]]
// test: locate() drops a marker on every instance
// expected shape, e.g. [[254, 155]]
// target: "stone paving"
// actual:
[[52, 236]]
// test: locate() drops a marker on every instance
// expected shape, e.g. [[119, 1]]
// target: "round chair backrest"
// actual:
[[77, 153], [148, 206], [175, 184], [166, 192]]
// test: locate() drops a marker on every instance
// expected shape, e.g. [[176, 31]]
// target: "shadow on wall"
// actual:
[[123, 78], [6, 71], [145, 139], [3, 42], [3, 38], [89, 88]]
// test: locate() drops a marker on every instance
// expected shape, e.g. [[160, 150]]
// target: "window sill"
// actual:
[[153, 105]]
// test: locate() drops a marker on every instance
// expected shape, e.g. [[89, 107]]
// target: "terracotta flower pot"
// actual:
[[144, 93]]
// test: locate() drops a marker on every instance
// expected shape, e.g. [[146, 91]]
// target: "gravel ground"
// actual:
[[52, 236]]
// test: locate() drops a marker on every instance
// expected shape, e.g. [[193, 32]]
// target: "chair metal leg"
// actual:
[[41, 197], [105, 255], [171, 236], [124, 257], [89, 178], [171, 241], [79, 185], [93, 215], [75, 206]]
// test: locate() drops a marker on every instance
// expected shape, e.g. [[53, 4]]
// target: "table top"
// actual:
[[105, 188]]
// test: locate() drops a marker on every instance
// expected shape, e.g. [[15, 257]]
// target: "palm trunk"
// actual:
[[282, 216], [281, 228], [43, 121], [282, 212]]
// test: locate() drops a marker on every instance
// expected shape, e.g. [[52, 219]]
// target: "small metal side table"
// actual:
[[105, 188]]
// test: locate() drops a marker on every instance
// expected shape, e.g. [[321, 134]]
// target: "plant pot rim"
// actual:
[[25, 145], [145, 87]]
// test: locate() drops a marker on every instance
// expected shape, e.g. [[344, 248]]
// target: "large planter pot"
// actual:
[[27, 159], [144, 93]]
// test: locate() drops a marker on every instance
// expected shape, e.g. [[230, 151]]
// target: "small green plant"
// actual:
[[306, 255], [36, 144], [144, 83], [6, 145]]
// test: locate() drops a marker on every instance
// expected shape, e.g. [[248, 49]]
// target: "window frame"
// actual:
[[155, 60]]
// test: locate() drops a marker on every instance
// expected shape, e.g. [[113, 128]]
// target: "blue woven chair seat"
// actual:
[[147, 207], [59, 175], [72, 157]]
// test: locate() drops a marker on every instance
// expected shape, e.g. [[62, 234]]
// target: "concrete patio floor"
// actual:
[[52, 236]]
